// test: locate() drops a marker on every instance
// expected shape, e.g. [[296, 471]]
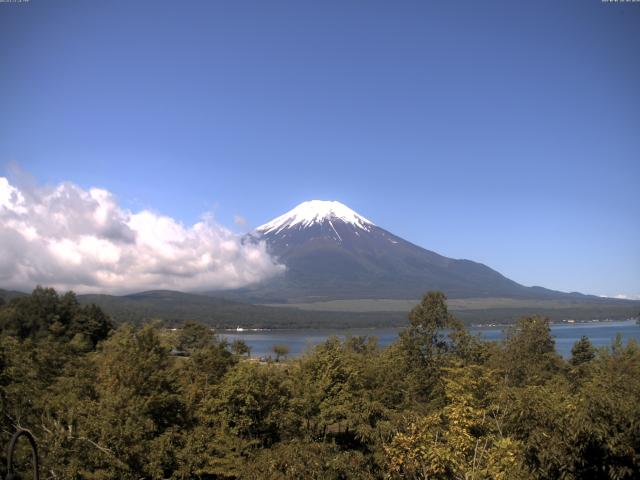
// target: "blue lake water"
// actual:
[[261, 342]]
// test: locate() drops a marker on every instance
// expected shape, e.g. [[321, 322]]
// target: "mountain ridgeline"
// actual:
[[332, 252]]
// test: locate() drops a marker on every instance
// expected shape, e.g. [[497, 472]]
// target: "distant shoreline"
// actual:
[[244, 330]]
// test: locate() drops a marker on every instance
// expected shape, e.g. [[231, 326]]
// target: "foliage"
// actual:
[[46, 314], [529, 356], [280, 351], [148, 403], [240, 348], [193, 336], [462, 440], [582, 352]]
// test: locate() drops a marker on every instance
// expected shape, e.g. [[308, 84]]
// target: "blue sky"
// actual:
[[504, 132]]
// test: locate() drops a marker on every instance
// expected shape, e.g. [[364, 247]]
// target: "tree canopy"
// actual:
[[153, 403]]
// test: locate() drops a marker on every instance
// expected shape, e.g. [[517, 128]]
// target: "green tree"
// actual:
[[340, 392], [33, 315], [582, 352], [253, 401], [529, 352], [193, 336], [240, 348], [46, 314], [306, 460], [604, 428], [461, 440], [280, 351], [202, 371], [91, 322], [136, 407], [424, 343]]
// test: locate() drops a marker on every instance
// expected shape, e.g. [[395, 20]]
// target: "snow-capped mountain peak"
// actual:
[[315, 211]]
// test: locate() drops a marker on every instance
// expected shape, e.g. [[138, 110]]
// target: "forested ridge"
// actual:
[[149, 403]]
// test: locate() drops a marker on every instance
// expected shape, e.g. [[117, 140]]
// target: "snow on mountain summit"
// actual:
[[315, 211]]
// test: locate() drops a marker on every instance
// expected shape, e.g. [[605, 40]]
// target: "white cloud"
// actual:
[[624, 296], [71, 238]]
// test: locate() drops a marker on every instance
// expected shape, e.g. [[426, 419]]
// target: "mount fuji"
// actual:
[[333, 253]]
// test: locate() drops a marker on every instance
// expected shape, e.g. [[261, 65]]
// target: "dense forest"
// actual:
[[150, 403]]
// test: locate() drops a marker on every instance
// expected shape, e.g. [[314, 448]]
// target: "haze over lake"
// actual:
[[601, 334]]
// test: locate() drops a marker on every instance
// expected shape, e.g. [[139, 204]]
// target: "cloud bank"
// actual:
[[624, 296], [70, 238]]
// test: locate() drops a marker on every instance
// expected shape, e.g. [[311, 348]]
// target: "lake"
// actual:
[[298, 340]]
